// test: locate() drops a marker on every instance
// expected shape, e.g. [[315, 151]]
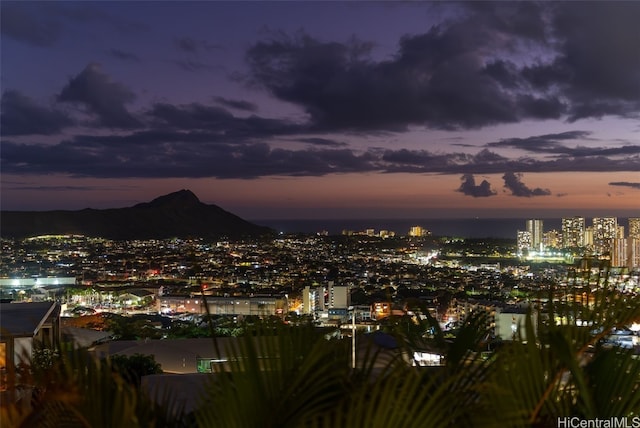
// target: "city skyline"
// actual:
[[324, 110]]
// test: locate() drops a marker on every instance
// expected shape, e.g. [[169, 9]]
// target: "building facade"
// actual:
[[573, 229], [619, 253], [318, 300], [605, 230], [536, 228], [524, 240], [245, 305], [634, 227]]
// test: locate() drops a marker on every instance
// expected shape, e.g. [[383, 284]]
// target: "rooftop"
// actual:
[[24, 319]]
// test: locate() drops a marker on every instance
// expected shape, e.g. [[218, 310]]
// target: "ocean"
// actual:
[[465, 228]]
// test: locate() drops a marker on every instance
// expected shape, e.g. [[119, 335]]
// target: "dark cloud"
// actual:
[[503, 71], [22, 22], [469, 187], [122, 55], [541, 107], [553, 144], [435, 79], [598, 58], [236, 104], [410, 157], [513, 182], [102, 97], [547, 143], [22, 116], [191, 116], [466, 72], [59, 188], [625, 184], [487, 162], [324, 142], [180, 160], [219, 121], [404, 160], [235, 147]]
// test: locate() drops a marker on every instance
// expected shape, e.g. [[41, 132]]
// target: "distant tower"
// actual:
[[605, 230], [588, 237], [552, 239], [418, 231], [524, 240], [633, 251], [619, 253], [535, 228], [634, 227], [573, 232], [313, 300]]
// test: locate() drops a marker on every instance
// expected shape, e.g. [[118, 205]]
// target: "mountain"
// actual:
[[179, 214]]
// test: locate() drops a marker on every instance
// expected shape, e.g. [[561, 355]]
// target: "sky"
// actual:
[[312, 110]]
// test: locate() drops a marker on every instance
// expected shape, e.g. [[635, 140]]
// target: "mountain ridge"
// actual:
[[178, 214]]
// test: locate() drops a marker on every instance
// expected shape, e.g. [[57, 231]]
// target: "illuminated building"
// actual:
[[573, 232], [418, 231], [338, 296], [535, 228], [381, 310], [633, 252], [605, 230], [386, 234], [321, 299], [524, 240], [552, 239], [216, 305], [588, 237], [313, 300], [634, 227], [619, 253]]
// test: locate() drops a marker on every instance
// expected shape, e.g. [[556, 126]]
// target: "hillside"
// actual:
[[179, 214]]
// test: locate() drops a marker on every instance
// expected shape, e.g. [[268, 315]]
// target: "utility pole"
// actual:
[[353, 336]]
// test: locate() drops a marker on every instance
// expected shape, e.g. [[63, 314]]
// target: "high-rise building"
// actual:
[[524, 240], [605, 230], [319, 299], [338, 296], [634, 227], [313, 300], [619, 253], [633, 250], [535, 228], [552, 239], [418, 231], [573, 232], [588, 237]]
